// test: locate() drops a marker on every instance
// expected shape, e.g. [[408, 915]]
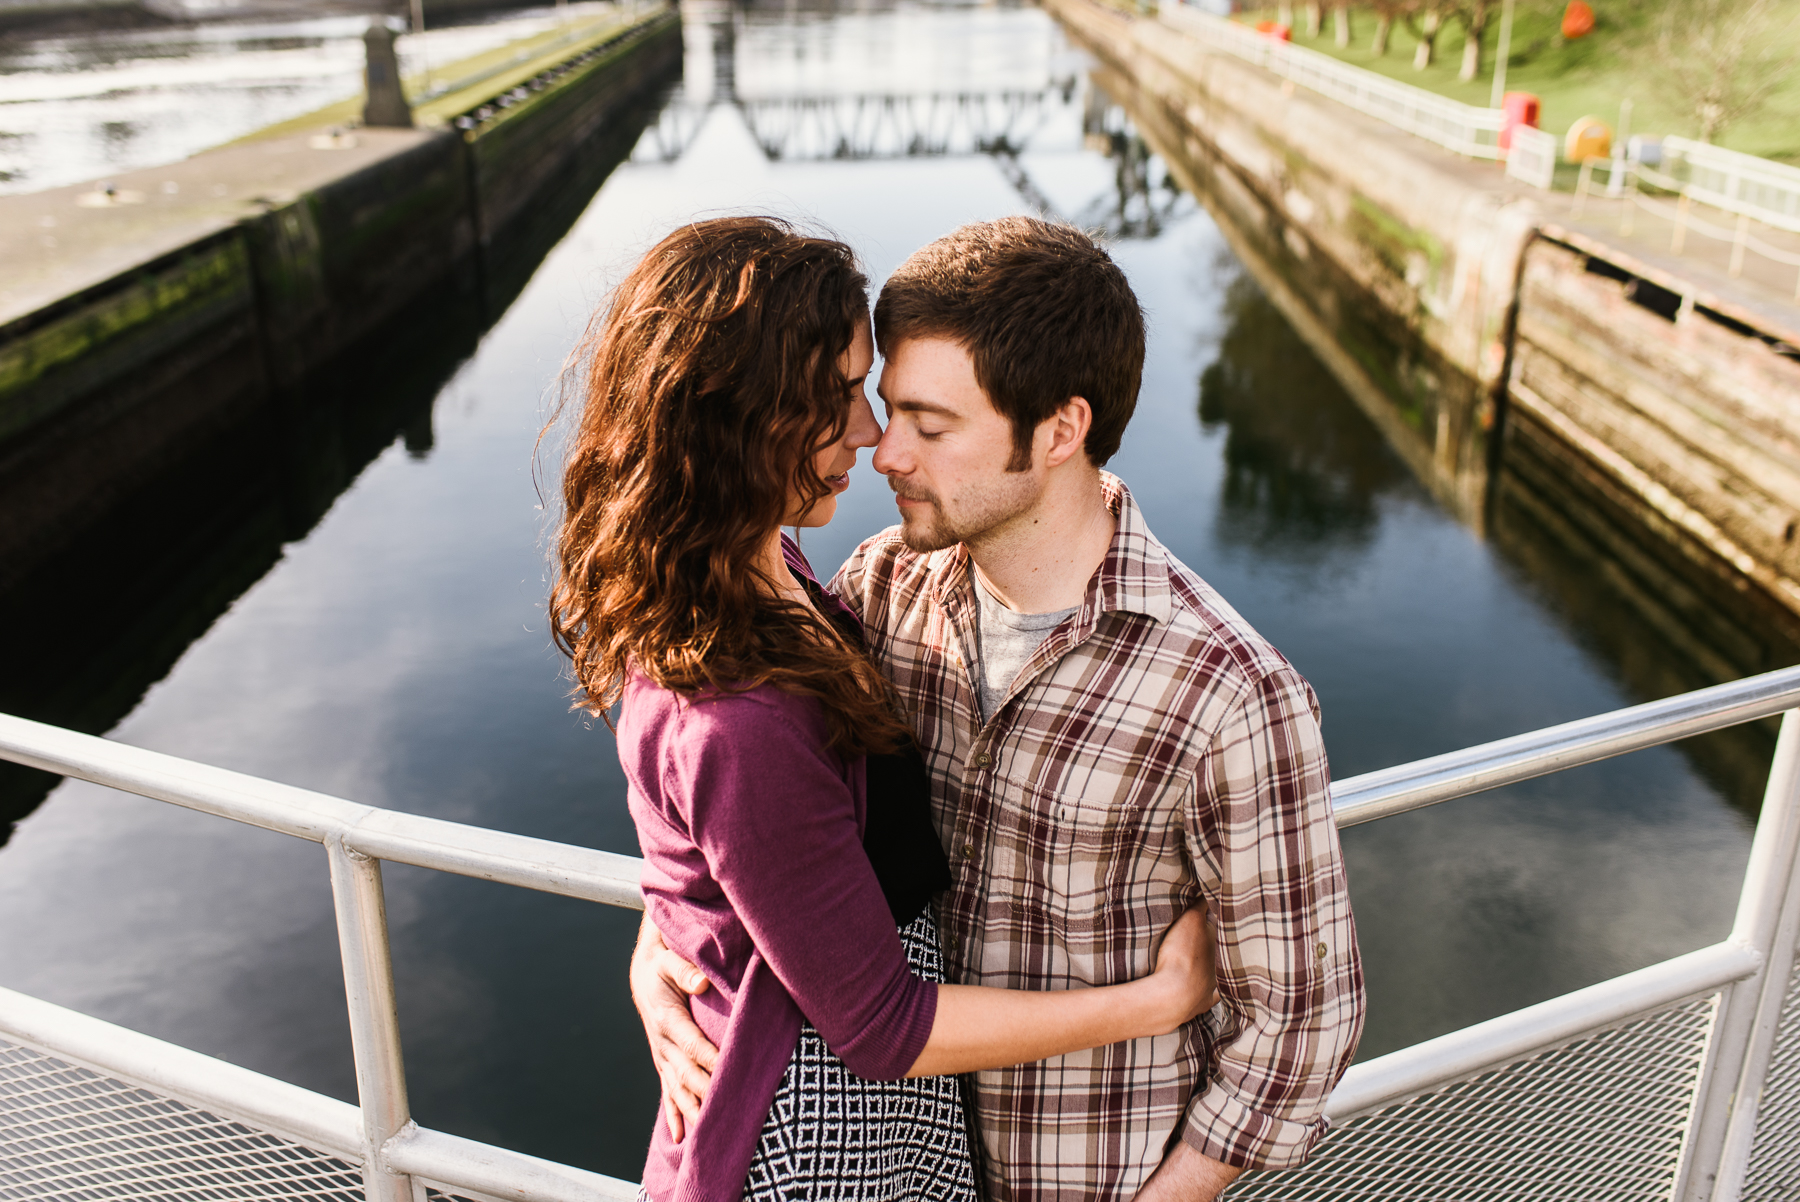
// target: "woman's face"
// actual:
[[834, 462]]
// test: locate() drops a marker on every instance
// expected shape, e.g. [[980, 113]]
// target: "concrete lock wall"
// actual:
[[1497, 352], [102, 389]]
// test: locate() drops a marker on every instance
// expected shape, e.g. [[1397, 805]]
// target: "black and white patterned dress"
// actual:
[[833, 1137]]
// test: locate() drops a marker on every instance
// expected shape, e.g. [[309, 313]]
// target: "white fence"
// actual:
[[1762, 190], [1750, 188], [1451, 124], [1532, 157], [1681, 1080]]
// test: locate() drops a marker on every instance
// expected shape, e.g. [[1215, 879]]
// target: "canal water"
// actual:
[[390, 646], [79, 107]]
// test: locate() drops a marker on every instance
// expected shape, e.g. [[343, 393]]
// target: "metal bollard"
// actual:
[[383, 103]]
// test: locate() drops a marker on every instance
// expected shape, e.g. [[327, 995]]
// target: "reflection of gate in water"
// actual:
[[1679, 1080], [859, 127]]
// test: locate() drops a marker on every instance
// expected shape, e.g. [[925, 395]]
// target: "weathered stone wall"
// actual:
[[1399, 267], [1679, 434], [1508, 361]]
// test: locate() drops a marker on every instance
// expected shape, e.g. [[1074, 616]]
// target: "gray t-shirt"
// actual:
[[1004, 640]]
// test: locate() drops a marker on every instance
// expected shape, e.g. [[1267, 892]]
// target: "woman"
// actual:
[[779, 804]]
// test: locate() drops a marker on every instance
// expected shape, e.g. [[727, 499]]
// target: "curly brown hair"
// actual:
[[708, 383]]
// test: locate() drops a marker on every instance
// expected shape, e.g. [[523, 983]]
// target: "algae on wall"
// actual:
[[52, 359]]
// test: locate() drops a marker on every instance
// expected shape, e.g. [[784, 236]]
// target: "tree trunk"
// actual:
[[1315, 14], [1383, 23], [1284, 13], [1711, 117], [1428, 29], [1476, 27], [1340, 19]]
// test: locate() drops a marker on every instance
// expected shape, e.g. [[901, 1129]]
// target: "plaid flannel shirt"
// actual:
[[1155, 750]]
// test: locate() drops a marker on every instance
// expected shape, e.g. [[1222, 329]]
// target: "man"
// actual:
[[1109, 742]]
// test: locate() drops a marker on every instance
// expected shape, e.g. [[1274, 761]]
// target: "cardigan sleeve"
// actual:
[[770, 808]]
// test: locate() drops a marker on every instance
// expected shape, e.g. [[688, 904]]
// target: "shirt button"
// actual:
[[969, 853], [983, 759], [1322, 951]]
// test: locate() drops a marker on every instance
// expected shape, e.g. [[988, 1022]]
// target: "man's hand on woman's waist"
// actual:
[[661, 983]]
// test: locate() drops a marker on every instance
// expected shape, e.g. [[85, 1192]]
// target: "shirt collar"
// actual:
[[1133, 578]]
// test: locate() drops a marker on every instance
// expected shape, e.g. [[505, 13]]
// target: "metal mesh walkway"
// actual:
[[1600, 1119], [1774, 1171], [73, 1135]]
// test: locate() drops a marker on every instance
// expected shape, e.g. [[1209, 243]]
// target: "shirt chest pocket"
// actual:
[[1063, 856]]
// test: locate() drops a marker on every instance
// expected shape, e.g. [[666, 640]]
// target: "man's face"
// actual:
[[946, 448]]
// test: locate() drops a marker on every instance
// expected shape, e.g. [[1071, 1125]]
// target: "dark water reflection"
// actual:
[[1298, 474], [351, 602]]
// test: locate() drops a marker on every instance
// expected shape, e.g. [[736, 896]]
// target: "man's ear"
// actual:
[[1068, 428]]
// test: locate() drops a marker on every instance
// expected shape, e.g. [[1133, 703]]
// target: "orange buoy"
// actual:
[[1578, 20]]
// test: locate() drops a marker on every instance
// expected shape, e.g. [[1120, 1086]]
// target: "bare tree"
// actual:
[[1385, 12], [1340, 22], [1426, 29], [1315, 13], [1473, 16], [1726, 57]]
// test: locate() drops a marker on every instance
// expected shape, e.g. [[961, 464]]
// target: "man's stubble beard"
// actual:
[[981, 510]]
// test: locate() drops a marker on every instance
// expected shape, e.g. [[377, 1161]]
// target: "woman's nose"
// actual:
[[864, 430]]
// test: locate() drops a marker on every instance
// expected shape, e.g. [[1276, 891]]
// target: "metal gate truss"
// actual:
[[1680, 1081]]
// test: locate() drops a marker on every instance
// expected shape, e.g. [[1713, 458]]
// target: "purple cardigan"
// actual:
[[754, 870]]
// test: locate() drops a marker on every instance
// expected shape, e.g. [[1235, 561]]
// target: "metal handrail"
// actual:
[[1746, 973], [609, 877], [315, 1121], [540, 864], [1421, 783], [1470, 1051]]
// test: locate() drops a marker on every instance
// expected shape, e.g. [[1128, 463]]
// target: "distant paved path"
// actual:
[[53, 245]]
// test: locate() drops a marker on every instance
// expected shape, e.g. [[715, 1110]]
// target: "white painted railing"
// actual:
[[1463, 128], [1759, 189], [1532, 157], [1752, 189], [1681, 1080]]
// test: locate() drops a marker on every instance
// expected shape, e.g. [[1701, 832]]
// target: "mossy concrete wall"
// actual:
[[1511, 363], [1671, 440], [102, 388]]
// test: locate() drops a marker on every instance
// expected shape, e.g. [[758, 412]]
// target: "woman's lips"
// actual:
[[839, 482]]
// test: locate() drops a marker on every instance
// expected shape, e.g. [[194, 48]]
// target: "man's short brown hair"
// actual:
[[1044, 313]]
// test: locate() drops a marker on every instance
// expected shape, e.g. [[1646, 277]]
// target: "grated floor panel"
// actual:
[[70, 1134], [1601, 1119]]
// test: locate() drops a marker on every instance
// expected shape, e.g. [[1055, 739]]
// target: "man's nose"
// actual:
[[888, 457]]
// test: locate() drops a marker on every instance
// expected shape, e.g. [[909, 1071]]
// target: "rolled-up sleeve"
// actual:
[[1265, 846]]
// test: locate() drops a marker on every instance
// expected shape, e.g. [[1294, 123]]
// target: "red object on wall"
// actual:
[[1578, 20], [1276, 30], [1520, 108]]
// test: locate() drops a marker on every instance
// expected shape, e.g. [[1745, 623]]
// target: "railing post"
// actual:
[[374, 1021], [1737, 1055]]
